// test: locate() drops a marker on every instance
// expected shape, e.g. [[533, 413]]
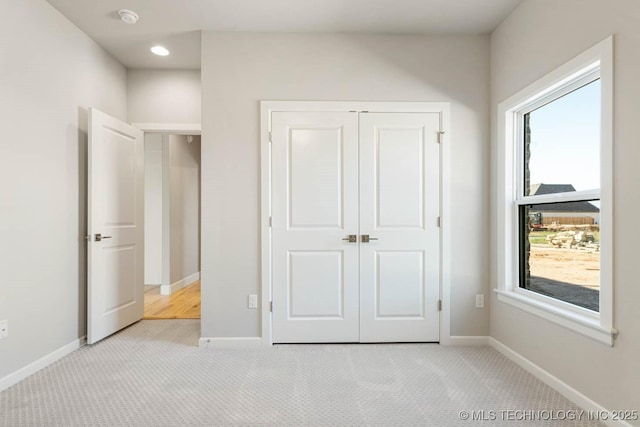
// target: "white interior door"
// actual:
[[115, 212], [399, 208], [315, 208], [372, 175]]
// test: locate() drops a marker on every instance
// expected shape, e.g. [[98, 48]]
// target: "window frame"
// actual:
[[595, 63]]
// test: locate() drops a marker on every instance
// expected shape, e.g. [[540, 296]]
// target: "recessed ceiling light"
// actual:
[[160, 50], [128, 16]]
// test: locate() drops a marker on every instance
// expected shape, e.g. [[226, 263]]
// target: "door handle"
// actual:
[[365, 238], [100, 237], [351, 238]]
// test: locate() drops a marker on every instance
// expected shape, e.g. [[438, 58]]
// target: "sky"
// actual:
[[565, 140]]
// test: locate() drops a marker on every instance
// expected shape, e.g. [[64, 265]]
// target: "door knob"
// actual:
[[351, 238], [365, 238], [100, 237]]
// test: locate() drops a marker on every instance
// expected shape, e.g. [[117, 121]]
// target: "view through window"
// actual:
[[560, 240]]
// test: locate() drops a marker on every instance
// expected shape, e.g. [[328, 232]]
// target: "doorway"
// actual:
[[115, 211], [355, 204], [172, 226]]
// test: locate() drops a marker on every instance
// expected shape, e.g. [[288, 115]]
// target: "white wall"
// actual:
[[164, 96], [50, 74], [539, 36], [240, 69], [153, 209], [184, 174]]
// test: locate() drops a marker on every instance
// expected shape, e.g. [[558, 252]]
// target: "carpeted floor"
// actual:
[[153, 374]]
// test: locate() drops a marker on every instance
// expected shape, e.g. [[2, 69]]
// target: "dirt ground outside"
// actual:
[[571, 275]]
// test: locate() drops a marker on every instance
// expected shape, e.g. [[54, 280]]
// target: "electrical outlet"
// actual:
[[480, 301], [4, 329], [253, 301]]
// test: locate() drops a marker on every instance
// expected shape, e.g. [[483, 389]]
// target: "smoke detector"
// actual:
[[128, 16]]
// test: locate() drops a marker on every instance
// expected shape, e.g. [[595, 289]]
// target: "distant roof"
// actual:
[[537, 189], [582, 207]]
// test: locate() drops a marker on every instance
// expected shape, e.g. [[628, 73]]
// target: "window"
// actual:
[[559, 245], [554, 213]]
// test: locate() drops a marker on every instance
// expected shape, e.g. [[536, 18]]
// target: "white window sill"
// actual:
[[584, 325]]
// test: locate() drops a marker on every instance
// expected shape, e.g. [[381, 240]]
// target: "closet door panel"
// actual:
[[399, 209], [315, 208]]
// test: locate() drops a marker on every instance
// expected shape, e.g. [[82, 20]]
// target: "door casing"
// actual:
[[268, 107]]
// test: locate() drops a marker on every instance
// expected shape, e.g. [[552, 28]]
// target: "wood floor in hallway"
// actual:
[[183, 304]]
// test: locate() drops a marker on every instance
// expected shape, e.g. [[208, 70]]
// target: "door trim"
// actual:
[[268, 107], [170, 128]]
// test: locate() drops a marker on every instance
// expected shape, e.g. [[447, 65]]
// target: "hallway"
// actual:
[[183, 304]]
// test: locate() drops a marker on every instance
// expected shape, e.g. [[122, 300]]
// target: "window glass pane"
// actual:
[[562, 143], [560, 251]]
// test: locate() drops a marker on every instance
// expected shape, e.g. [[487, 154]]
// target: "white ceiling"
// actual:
[[176, 24]]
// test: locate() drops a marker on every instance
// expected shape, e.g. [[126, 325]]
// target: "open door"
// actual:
[[116, 228]]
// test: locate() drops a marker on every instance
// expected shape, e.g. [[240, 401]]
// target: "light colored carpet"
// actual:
[[152, 374]]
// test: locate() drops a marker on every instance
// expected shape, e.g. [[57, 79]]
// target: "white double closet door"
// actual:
[[341, 174]]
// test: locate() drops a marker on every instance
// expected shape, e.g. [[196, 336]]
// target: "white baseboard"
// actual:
[[43, 362], [468, 340], [230, 342], [169, 289], [560, 386]]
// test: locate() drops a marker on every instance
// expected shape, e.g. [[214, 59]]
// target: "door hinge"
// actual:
[[271, 306], [270, 221], [440, 133], [439, 305], [438, 221], [270, 138]]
